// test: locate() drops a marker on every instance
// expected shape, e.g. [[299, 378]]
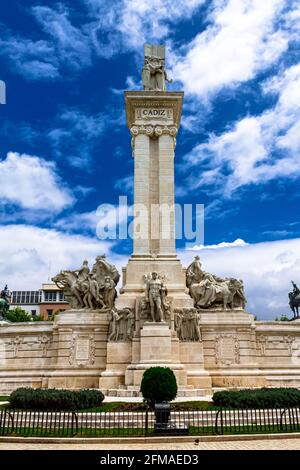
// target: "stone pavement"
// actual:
[[260, 444]]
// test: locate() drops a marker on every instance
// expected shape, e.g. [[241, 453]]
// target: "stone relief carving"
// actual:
[[90, 290], [274, 342], [18, 343], [227, 349], [261, 342], [186, 324], [288, 341], [82, 350], [210, 291], [154, 76], [121, 325]]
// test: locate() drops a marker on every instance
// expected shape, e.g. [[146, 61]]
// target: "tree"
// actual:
[[17, 314], [158, 385]]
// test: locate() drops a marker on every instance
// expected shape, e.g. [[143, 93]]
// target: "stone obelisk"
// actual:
[[153, 118]]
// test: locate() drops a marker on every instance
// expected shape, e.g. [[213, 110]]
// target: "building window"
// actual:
[[50, 296], [25, 297], [33, 313], [62, 297], [49, 313]]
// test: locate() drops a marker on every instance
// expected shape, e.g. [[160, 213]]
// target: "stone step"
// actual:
[[132, 391]]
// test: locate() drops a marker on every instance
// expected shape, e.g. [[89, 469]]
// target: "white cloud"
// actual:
[[33, 59], [241, 40], [107, 28], [71, 43], [32, 183], [237, 242], [256, 149], [125, 184], [143, 21], [29, 255], [107, 216], [266, 268]]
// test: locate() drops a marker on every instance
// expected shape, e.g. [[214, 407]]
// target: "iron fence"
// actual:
[[143, 423]]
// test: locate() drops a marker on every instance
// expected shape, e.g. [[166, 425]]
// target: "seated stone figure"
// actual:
[[210, 291]]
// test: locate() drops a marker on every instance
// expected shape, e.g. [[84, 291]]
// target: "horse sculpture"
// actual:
[[85, 289], [226, 293], [294, 302]]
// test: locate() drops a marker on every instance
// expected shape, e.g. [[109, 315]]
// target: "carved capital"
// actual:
[[151, 131]]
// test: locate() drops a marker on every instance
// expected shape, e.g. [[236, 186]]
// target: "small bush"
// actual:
[[17, 315], [258, 398], [55, 400], [158, 385]]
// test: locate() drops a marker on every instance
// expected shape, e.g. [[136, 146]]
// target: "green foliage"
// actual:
[[37, 318], [18, 315], [54, 400], [258, 398], [282, 318], [158, 385]]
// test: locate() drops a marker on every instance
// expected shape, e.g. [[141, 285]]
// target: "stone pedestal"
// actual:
[[230, 349], [79, 349], [157, 347]]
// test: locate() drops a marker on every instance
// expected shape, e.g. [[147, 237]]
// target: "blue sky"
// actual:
[[65, 149]]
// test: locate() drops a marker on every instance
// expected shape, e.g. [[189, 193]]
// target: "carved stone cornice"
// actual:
[[150, 99]]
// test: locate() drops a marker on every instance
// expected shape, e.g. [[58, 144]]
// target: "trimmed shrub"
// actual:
[[158, 385], [258, 398], [52, 399]]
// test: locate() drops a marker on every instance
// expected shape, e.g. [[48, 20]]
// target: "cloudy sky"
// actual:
[[65, 149]]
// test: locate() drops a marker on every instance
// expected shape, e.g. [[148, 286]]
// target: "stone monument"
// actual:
[[187, 319], [154, 281]]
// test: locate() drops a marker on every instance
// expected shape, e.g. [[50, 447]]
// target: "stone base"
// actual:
[[134, 392]]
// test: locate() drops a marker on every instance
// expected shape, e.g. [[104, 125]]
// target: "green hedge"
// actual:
[[54, 400], [158, 385], [258, 398]]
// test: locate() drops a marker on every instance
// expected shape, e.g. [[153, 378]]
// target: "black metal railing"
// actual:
[[142, 423]]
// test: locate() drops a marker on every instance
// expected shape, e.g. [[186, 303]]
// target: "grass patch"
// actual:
[[125, 432], [4, 398], [125, 406]]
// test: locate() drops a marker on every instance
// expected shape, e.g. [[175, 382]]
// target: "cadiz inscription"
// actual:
[[154, 113]]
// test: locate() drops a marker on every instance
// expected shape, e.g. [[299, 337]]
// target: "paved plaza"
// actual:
[[257, 444]]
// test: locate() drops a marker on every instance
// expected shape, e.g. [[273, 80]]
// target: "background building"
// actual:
[[45, 302]]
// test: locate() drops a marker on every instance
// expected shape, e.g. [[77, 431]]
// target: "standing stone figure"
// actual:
[[153, 294], [186, 323], [153, 74], [114, 325], [121, 326]]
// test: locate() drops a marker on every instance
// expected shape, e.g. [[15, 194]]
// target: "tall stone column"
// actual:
[[141, 148], [153, 119], [166, 144]]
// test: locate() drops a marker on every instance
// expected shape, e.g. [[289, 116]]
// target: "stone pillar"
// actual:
[[141, 145], [166, 144]]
